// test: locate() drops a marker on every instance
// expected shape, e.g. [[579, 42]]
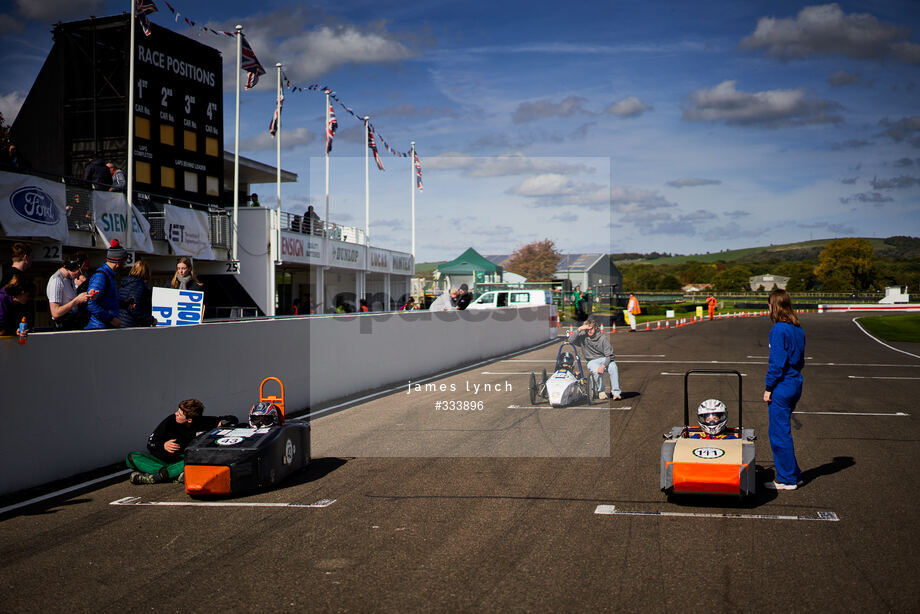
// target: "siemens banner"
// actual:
[[109, 210], [32, 207]]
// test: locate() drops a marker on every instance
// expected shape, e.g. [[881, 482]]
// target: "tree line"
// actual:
[[843, 265]]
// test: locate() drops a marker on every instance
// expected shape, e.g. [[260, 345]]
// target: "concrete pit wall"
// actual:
[[76, 401]]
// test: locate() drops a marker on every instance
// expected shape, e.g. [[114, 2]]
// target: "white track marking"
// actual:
[[137, 501], [878, 377], [554, 360], [850, 413], [383, 393], [63, 491], [742, 362], [859, 326], [548, 406], [612, 510], [713, 374], [506, 373]]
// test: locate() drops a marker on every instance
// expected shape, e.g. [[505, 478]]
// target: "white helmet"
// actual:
[[711, 416]]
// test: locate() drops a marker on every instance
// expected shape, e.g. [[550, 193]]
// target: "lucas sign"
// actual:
[[172, 307]]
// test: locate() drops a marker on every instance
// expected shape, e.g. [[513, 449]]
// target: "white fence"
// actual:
[[75, 401]]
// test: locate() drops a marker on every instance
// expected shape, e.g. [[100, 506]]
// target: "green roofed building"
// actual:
[[469, 268]]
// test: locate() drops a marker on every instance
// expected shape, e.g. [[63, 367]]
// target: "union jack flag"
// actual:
[[373, 146], [144, 8], [418, 172], [250, 63], [331, 126], [273, 126]]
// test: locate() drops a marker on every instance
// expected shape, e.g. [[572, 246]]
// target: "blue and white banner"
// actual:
[[187, 232], [172, 307], [32, 207], [109, 216]]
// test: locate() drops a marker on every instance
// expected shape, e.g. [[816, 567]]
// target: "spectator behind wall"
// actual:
[[21, 262], [119, 183], [97, 173], [184, 277], [14, 296], [135, 297], [103, 290], [63, 299]]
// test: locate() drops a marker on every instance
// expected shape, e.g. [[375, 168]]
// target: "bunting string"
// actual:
[[255, 69], [316, 87]]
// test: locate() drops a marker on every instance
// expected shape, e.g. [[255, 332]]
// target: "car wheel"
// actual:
[[533, 389], [589, 387], [543, 392]]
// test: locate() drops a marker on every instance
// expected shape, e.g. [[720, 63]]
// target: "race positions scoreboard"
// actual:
[[178, 117]]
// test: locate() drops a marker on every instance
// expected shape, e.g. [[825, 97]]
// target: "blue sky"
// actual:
[[604, 126]]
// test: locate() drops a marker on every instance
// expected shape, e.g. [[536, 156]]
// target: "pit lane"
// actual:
[[495, 509]]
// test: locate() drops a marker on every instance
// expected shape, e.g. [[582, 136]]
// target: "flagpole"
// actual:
[[236, 155], [129, 188], [278, 156], [412, 187], [326, 219], [367, 185], [276, 215]]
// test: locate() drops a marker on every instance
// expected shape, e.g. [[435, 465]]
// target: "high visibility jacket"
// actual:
[[633, 306], [711, 301]]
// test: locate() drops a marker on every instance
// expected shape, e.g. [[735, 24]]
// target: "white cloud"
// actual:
[[530, 111], [768, 109], [827, 30], [692, 182], [628, 107], [308, 52], [906, 128], [501, 166], [289, 139], [631, 200], [842, 78], [10, 105], [58, 10], [550, 184], [10, 25]]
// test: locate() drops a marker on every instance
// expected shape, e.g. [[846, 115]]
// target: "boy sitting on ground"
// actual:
[[165, 461]]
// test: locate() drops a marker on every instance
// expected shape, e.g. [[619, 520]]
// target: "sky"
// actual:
[[613, 126]]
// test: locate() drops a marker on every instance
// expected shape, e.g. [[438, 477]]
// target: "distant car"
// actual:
[[512, 298]]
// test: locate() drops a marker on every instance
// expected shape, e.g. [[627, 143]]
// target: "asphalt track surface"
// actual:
[[495, 510]]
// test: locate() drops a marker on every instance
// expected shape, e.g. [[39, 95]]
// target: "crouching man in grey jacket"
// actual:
[[594, 347]]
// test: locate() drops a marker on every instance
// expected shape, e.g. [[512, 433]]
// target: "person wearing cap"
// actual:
[[63, 298], [463, 296], [103, 290]]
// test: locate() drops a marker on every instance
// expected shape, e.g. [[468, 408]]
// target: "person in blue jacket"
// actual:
[[135, 297], [103, 301], [784, 388]]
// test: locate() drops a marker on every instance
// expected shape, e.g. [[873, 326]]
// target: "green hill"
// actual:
[[803, 250]]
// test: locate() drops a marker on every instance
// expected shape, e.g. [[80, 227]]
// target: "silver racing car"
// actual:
[[567, 385]]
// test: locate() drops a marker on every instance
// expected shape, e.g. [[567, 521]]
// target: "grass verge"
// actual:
[[901, 327]]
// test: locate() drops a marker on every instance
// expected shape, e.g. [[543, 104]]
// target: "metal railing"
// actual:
[[78, 207]]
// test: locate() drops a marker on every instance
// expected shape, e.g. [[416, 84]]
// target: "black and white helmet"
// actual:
[[711, 416], [567, 361], [264, 414]]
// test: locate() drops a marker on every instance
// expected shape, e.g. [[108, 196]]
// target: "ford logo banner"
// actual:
[[35, 205]]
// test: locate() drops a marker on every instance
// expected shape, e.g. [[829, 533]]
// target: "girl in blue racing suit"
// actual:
[[784, 388]]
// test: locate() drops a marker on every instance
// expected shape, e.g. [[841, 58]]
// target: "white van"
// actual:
[[512, 298]]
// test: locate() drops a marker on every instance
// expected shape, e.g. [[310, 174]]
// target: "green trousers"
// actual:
[[148, 463]]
